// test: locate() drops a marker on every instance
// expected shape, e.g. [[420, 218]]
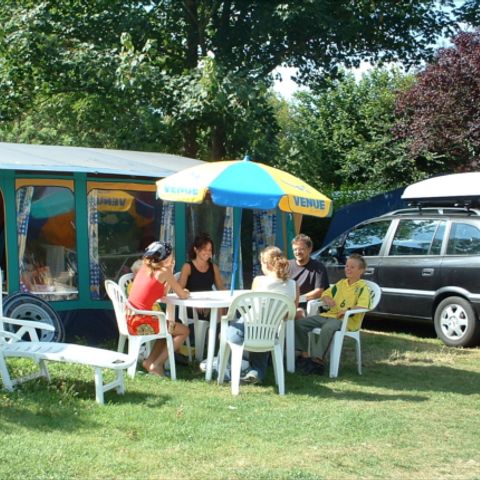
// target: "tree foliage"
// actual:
[[440, 113], [58, 80], [132, 74], [341, 139]]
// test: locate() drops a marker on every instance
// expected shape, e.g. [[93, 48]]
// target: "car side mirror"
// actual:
[[334, 255], [333, 251]]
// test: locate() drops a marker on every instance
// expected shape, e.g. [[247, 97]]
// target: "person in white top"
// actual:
[[275, 278]]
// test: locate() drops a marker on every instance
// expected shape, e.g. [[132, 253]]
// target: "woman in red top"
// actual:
[[151, 283]]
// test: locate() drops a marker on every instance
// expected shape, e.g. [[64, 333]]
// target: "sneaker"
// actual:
[[251, 377], [203, 366], [313, 368]]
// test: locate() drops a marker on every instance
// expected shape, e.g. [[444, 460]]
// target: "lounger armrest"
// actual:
[[28, 323], [28, 326], [9, 336]]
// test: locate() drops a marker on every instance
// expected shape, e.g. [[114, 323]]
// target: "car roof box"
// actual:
[[455, 190]]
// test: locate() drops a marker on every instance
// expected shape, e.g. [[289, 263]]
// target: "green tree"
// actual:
[[340, 137], [58, 80], [251, 39], [124, 71]]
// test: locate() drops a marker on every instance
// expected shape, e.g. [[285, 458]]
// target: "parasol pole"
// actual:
[[237, 226]]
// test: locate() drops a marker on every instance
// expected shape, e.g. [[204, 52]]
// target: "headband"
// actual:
[[159, 250]]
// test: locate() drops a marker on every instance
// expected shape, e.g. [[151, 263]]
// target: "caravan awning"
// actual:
[[17, 156]]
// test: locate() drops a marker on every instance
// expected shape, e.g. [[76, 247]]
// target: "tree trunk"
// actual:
[[191, 20], [218, 142], [190, 145]]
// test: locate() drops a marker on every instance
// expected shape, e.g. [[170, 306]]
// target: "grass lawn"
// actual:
[[414, 413]]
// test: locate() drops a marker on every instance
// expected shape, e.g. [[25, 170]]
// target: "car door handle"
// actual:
[[369, 271], [428, 272]]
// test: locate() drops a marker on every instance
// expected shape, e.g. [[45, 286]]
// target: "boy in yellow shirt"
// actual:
[[350, 292]]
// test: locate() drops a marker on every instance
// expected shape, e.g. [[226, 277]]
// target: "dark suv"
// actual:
[[427, 262]]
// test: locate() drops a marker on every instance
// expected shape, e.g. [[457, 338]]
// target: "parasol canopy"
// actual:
[[244, 184]]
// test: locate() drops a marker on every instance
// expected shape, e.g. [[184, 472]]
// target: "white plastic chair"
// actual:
[[124, 283], [120, 305], [200, 328], [337, 341], [264, 315], [311, 308]]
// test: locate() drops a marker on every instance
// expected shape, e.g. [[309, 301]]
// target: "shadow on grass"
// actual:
[[385, 342], [398, 379], [324, 387], [59, 404], [148, 400], [38, 406], [371, 397], [408, 368], [43, 418], [411, 327], [420, 378]]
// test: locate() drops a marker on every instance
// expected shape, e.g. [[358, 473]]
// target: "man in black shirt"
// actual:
[[311, 275]]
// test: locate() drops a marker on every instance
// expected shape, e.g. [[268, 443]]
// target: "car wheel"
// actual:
[[29, 307], [456, 323]]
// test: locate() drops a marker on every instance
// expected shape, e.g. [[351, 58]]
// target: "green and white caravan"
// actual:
[[71, 217]]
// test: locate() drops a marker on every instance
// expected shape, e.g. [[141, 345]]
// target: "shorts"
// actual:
[[142, 325]]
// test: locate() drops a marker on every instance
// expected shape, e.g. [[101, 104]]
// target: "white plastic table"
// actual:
[[212, 299]]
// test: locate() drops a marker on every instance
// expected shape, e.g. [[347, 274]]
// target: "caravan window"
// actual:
[[47, 238], [122, 222]]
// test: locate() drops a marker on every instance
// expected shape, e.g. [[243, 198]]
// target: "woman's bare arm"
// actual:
[[168, 278], [218, 278], [185, 274]]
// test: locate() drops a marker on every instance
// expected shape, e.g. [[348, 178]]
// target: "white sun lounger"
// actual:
[[11, 345]]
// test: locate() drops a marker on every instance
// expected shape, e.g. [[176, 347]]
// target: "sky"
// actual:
[[287, 87]]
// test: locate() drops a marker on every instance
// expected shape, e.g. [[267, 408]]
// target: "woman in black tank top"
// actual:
[[200, 273], [198, 280]]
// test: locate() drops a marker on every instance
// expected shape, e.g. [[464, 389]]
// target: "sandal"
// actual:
[[313, 368]]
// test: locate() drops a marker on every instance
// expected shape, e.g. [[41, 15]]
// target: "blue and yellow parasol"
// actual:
[[244, 184]]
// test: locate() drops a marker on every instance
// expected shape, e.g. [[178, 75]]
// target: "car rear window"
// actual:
[[464, 239], [418, 237]]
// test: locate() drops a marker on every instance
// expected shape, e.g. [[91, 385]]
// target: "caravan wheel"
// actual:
[[29, 307]]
